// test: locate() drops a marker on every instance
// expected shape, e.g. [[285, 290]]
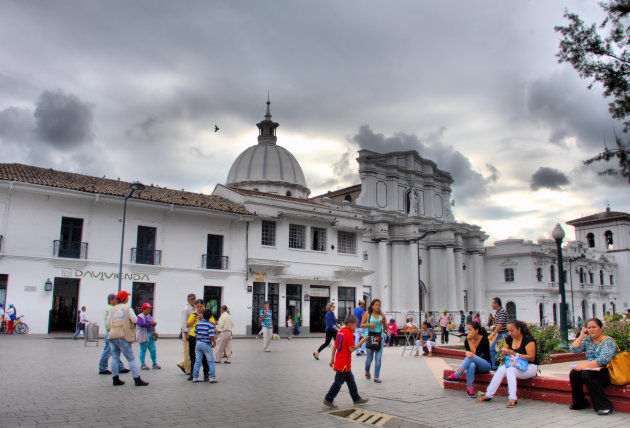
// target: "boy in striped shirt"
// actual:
[[204, 330]]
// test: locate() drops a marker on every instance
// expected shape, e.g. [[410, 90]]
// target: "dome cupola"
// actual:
[[267, 167]]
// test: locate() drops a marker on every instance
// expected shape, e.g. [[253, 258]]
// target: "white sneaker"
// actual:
[[198, 379], [213, 380]]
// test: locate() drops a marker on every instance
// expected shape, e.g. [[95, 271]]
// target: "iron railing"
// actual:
[[70, 249], [214, 262], [146, 256]]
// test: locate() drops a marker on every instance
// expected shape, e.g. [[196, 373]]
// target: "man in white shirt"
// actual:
[[81, 325], [224, 345], [184, 364]]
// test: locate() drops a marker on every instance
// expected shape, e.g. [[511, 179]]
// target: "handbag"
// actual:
[[155, 335], [375, 341], [518, 363], [619, 368]]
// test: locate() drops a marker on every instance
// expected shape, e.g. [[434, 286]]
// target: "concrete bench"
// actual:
[[554, 390]]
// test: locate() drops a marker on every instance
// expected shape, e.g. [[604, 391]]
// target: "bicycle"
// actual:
[[19, 326]]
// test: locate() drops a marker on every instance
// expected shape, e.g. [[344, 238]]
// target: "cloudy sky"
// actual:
[[134, 89]]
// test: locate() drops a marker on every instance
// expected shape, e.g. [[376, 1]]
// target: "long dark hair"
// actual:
[[521, 326], [372, 303], [482, 331]]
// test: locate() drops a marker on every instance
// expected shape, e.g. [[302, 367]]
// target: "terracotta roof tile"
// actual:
[[85, 183]]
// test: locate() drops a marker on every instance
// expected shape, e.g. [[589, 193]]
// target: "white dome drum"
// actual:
[[267, 167]]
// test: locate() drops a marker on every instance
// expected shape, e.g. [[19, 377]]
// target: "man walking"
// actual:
[[500, 331], [267, 327], [359, 311], [81, 324], [184, 364], [122, 334], [107, 351], [224, 345]]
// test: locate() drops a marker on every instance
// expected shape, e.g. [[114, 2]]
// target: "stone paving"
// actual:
[[53, 382]]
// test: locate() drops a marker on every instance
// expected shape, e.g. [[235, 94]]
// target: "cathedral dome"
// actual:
[[267, 167]]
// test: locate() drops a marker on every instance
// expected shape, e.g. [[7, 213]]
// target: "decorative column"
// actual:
[[414, 284], [451, 291], [459, 279], [434, 283], [480, 295], [383, 276], [396, 284]]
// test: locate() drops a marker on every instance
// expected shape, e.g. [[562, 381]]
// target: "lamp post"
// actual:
[[558, 236], [136, 185]]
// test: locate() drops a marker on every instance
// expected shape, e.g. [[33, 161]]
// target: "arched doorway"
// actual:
[[541, 313], [510, 307], [555, 314], [613, 307]]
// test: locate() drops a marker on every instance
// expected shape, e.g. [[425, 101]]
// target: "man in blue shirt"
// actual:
[[359, 332], [267, 327]]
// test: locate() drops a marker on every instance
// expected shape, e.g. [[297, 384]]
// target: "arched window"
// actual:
[[584, 309], [590, 240], [601, 277], [603, 309], [608, 239], [541, 313], [614, 308], [539, 274], [594, 311], [591, 278], [509, 275], [582, 276], [555, 314], [289, 193], [552, 272], [510, 307], [348, 198]]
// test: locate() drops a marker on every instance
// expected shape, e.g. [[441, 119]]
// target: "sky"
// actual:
[[133, 90]]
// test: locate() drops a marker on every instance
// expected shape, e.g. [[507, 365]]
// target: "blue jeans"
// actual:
[[122, 346], [202, 349], [340, 378], [358, 335], [150, 345], [377, 365], [473, 365], [107, 352], [80, 327], [493, 352]]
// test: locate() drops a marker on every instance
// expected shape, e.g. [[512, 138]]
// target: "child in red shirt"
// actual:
[[343, 349]]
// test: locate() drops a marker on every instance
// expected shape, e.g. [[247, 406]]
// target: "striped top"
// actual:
[[204, 330], [266, 322], [501, 317]]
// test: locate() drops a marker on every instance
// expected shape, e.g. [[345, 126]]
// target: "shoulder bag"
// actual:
[[375, 341], [619, 367]]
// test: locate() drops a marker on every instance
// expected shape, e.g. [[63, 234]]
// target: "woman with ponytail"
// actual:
[[374, 323], [477, 357]]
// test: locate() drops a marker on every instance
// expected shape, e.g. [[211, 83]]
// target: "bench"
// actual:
[[542, 388], [459, 354]]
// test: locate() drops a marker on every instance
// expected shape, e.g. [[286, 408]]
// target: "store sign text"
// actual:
[[103, 275]]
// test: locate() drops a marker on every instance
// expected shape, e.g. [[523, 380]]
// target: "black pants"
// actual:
[[393, 339], [192, 342], [340, 378], [444, 334], [331, 333], [595, 382]]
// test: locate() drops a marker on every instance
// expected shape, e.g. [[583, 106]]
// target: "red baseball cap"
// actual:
[[146, 305], [122, 295]]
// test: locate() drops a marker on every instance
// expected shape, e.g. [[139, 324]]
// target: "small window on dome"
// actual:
[[289, 193], [348, 198]]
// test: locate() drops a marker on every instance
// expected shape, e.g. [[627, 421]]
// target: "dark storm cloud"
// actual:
[[548, 178], [63, 120], [559, 102], [468, 183]]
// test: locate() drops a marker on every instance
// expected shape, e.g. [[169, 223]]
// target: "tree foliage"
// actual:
[[602, 53]]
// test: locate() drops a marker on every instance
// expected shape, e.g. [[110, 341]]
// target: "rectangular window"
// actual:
[[539, 274], [145, 245], [509, 275], [612, 280], [268, 236], [297, 236], [591, 278], [346, 242], [318, 239], [347, 303], [214, 257]]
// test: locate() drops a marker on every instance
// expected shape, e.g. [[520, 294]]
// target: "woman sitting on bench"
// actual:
[[520, 362], [477, 357], [427, 339]]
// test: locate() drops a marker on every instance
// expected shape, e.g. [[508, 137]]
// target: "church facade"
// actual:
[[262, 237]]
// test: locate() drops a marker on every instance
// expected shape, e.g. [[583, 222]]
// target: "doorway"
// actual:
[[541, 314], [319, 299], [293, 300], [4, 280], [63, 315], [273, 297], [142, 292], [212, 300], [258, 299]]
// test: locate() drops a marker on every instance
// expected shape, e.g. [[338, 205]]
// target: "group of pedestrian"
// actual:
[[9, 317], [201, 348]]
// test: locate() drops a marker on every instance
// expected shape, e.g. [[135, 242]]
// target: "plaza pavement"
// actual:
[[53, 382]]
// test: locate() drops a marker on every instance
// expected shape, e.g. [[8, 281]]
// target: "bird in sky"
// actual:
[[216, 128]]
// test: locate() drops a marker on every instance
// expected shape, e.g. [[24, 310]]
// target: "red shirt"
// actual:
[[343, 342]]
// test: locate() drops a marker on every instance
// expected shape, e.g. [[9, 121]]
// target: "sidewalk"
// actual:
[[55, 383]]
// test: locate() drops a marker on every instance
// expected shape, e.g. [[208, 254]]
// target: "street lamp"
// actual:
[[136, 185], [558, 236]]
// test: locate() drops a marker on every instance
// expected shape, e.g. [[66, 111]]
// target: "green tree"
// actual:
[[602, 53]]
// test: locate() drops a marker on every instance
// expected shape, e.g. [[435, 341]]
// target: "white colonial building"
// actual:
[[259, 237]]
